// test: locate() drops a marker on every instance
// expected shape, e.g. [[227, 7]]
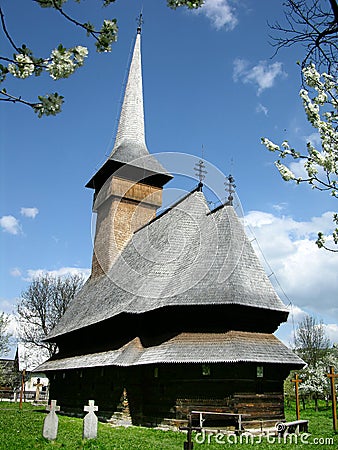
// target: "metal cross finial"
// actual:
[[200, 171], [230, 187], [140, 23]]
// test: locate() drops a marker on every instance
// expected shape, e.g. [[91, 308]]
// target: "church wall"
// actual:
[[156, 393], [171, 391]]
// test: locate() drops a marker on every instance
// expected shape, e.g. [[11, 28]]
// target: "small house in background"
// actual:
[[178, 314], [10, 378], [27, 358]]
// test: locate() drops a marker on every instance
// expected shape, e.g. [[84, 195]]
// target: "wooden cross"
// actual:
[[22, 389], [297, 380], [90, 407], [332, 377]]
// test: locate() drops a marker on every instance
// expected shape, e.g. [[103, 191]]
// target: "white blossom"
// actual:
[[64, 62], [108, 35], [270, 145], [286, 145], [49, 105], [61, 65], [311, 76], [23, 68], [320, 104], [80, 53], [285, 172]]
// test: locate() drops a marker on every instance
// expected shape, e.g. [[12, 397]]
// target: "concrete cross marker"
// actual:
[[90, 421], [50, 424], [332, 377], [297, 380]]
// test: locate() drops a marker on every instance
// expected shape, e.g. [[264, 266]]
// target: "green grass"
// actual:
[[23, 430]]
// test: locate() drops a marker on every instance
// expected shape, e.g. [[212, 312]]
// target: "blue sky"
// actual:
[[209, 80]]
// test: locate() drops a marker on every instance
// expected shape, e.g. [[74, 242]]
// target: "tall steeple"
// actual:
[[128, 187], [130, 145], [130, 137]]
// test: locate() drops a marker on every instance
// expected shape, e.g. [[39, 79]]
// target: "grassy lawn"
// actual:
[[23, 430]]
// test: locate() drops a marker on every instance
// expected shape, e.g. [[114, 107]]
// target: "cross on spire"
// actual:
[[230, 188], [140, 23]]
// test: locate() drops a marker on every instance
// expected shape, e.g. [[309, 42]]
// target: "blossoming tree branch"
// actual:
[[320, 164], [62, 61]]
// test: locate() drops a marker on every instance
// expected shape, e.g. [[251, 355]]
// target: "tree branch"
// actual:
[[2, 17]]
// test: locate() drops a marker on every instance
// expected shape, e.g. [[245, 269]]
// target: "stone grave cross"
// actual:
[[50, 424], [90, 421]]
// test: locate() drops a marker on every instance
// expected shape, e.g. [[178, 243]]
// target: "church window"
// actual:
[[259, 371], [205, 370]]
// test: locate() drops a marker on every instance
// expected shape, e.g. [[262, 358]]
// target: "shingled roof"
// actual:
[[188, 256], [230, 347]]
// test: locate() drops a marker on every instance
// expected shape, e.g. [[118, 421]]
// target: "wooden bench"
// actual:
[[188, 445], [292, 427], [236, 416]]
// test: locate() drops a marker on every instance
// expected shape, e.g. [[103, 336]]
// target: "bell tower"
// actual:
[[128, 187]]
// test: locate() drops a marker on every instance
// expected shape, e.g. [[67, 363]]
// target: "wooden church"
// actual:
[[178, 311]]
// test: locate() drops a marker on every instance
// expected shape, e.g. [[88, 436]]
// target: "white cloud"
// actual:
[[63, 271], [10, 224], [15, 272], [298, 169], [296, 314], [241, 66], [6, 305], [331, 329], [29, 212], [280, 207], [261, 108], [263, 75], [220, 13], [314, 139], [307, 274]]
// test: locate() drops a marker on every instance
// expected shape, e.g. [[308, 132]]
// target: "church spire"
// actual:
[[130, 135], [128, 187], [130, 149]]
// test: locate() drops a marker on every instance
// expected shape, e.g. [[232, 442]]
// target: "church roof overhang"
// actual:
[[186, 257], [230, 347], [128, 171]]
